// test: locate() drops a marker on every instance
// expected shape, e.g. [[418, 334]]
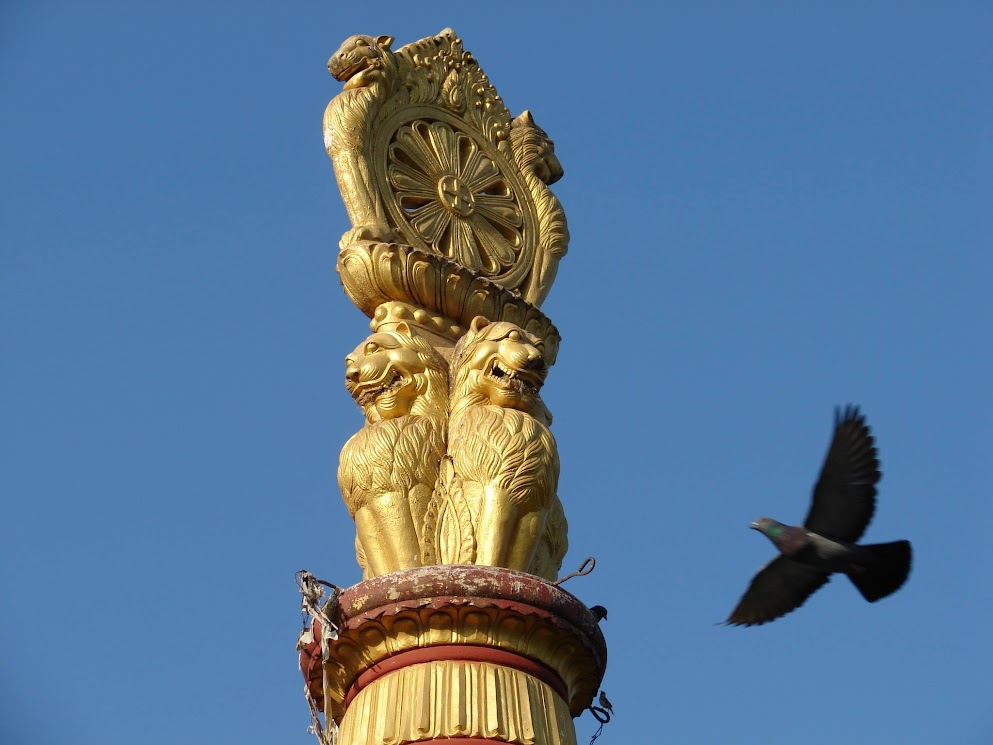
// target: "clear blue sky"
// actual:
[[775, 208]]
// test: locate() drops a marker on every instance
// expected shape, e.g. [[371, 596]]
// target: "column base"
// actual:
[[475, 654]]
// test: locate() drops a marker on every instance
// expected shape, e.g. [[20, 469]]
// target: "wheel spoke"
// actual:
[[493, 243], [430, 221]]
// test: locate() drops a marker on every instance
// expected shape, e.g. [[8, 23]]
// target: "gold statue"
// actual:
[[427, 154], [388, 469], [369, 71], [454, 228], [535, 154], [499, 442]]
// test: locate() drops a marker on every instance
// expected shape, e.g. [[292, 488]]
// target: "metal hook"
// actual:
[[585, 568], [600, 715]]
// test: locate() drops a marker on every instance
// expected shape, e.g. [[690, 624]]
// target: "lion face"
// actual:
[[357, 60], [385, 376], [506, 366], [535, 149]]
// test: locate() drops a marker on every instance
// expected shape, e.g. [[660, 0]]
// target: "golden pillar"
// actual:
[[459, 629]]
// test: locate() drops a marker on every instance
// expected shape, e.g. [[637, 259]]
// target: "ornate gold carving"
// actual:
[[440, 700], [471, 478], [450, 196], [426, 152], [450, 533], [376, 273], [437, 330], [370, 72], [388, 469], [500, 446], [452, 220], [535, 155]]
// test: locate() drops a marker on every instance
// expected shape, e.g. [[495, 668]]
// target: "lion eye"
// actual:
[[514, 336], [371, 348]]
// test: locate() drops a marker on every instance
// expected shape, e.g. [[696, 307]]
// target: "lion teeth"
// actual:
[[515, 380], [364, 398]]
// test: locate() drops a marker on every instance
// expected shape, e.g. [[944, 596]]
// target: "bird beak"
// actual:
[[754, 525]]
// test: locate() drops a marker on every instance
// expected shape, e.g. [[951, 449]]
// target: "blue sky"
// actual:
[[775, 208]]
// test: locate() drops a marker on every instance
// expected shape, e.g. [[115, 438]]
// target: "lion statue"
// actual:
[[534, 153], [388, 469], [503, 455], [374, 77], [370, 71]]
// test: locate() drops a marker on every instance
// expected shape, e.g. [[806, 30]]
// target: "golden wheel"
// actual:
[[452, 193]]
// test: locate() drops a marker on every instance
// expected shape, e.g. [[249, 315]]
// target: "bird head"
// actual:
[[786, 538], [768, 527]]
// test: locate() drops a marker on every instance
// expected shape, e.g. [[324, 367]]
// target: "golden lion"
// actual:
[[501, 449], [534, 154], [388, 469], [370, 72]]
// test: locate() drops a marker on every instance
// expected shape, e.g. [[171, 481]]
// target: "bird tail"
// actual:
[[883, 571]]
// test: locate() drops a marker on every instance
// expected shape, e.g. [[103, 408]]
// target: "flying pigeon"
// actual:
[[843, 502]]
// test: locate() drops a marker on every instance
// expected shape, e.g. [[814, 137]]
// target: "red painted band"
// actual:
[[459, 653]]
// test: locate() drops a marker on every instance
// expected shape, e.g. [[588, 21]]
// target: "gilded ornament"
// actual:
[[455, 238], [501, 448], [427, 154], [374, 274], [535, 155], [387, 470]]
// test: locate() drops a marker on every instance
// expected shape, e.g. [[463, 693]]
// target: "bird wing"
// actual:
[[779, 587], [845, 494]]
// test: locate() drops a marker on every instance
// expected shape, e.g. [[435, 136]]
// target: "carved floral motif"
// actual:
[[455, 197]]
